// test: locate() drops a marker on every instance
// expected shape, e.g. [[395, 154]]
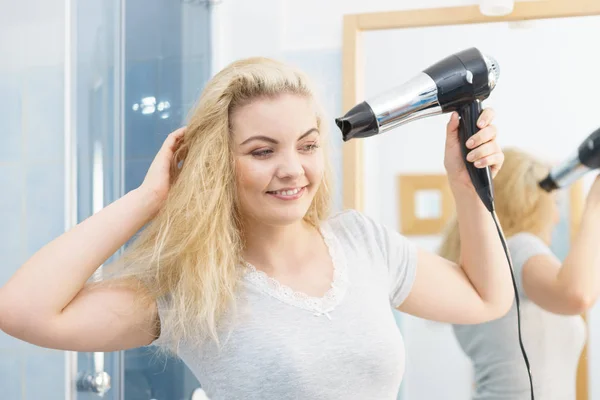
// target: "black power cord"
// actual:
[[503, 239]]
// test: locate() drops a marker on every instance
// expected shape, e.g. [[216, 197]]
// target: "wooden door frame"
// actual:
[[353, 79]]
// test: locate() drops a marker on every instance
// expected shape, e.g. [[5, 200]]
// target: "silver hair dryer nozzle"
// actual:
[[446, 86], [415, 99]]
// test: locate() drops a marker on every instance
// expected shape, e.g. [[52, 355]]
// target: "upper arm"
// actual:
[[442, 292], [422, 283], [541, 285], [100, 318], [537, 272]]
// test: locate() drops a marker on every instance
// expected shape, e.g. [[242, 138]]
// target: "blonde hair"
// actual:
[[191, 250], [521, 205]]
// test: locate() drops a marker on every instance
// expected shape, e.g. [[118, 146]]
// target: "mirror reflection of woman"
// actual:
[[552, 294], [241, 271]]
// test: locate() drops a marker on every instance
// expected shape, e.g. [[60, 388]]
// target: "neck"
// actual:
[[271, 247], [546, 237]]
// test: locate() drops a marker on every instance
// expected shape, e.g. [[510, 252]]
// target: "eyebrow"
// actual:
[[271, 140]]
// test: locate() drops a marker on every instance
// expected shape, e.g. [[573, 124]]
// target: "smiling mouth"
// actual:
[[288, 194]]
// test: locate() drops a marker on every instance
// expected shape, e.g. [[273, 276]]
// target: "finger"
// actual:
[[177, 135], [494, 161], [486, 118], [179, 132], [483, 151], [452, 125], [485, 135], [173, 138], [495, 167]]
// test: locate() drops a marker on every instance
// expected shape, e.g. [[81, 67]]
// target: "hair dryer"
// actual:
[[586, 159], [457, 83]]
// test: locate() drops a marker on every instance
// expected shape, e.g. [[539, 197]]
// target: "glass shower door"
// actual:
[[96, 156], [138, 66]]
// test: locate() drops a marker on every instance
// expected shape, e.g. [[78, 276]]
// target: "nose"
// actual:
[[290, 167]]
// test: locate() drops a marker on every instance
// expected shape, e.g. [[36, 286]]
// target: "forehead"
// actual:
[[279, 117]]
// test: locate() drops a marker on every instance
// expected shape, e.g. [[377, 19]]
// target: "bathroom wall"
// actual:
[[31, 172]]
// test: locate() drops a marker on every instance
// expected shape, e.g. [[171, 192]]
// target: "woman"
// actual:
[[552, 296], [241, 271]]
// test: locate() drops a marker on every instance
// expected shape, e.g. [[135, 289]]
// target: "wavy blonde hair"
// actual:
[[521, 205], [190, 252]]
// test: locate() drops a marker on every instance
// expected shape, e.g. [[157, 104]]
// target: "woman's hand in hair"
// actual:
[[161, 172], [48, 302]]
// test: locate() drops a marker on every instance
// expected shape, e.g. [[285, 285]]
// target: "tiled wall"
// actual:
[[31, 209], [31, 174]]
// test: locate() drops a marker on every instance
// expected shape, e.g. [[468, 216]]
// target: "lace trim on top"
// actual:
[[317, 305]]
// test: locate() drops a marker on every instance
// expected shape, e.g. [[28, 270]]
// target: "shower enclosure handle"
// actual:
[[95, 382]]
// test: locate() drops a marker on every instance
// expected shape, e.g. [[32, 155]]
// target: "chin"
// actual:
[[282, 218]]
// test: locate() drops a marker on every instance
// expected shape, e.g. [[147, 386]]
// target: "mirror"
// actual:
[[546, 103]]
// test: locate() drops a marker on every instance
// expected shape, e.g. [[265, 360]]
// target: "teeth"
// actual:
[[288, 192]]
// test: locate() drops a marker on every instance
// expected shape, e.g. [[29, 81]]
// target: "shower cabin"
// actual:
[[133, 70]]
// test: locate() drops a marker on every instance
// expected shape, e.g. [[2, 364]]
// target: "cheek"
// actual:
[[315, 167], [252, 175]]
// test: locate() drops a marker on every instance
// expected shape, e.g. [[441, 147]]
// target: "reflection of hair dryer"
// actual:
[[586, 158], [457, 83]]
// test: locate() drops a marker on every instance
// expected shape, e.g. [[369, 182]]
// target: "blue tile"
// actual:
[[44, 113], [144, 138], [111, 168], [11, 232], [45, 204], [195, 74], [45, 375], [141, 130], [11, 215], [10, 120], [170, 27], [170, 86], [142, 33], [102, 119], [181, 82], [10, 376], [10, 343], [84, 185], [164, 378], [141, 79], [135, 171], [197, 38]]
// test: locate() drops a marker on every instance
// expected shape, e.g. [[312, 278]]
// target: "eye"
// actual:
[[263, 153], [310, 147]]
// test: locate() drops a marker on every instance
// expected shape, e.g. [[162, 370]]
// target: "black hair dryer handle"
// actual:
[[481, 177]]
